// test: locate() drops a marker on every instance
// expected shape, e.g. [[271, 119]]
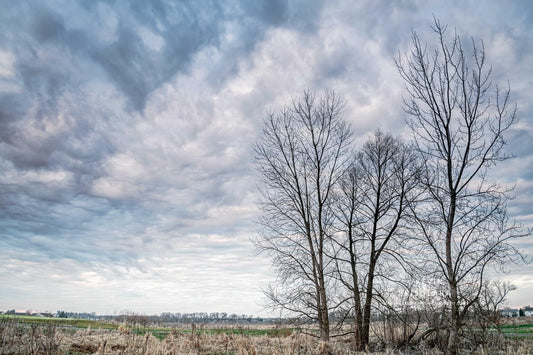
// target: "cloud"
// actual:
[[125, 132]]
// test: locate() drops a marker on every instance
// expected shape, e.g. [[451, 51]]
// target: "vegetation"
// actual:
[[34, 335], [399, 234], [300, 156], [459, 122], [65, 322]]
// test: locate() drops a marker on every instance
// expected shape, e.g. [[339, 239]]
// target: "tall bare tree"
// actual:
[[374, 196], [300, 157], [459, 121]]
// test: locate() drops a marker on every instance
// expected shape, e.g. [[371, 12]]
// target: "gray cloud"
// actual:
[[125, 132]]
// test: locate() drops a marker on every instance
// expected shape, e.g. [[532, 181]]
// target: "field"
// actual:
[[518, 328], [37, 335]]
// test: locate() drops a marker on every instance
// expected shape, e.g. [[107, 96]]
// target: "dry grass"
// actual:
[[49, 339]]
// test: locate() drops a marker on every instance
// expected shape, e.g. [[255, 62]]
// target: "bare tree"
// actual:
[[374, 196], [300, 156], [485, 319], [459, 123]]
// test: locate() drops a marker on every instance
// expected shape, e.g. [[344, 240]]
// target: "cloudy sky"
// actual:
[[125, 129]]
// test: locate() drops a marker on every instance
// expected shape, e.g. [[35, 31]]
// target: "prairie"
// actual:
[[37, 335]]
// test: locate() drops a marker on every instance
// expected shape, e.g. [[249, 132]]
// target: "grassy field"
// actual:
[[69, 322], [157, 331], [518, 330], [38, 335]]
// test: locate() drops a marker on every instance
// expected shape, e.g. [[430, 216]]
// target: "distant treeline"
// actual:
[[168, 317]]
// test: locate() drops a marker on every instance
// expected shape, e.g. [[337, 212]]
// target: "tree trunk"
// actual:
[[359, 343], [324, 315], [365, 336], [455, 326], [455, 321]]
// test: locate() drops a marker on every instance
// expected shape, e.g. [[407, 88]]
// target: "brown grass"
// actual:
[[49, 339]]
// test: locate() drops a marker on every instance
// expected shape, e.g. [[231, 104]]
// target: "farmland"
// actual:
[[518, 329], [38, 335]]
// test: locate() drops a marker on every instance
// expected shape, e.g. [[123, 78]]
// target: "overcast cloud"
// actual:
[[125, 132]]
